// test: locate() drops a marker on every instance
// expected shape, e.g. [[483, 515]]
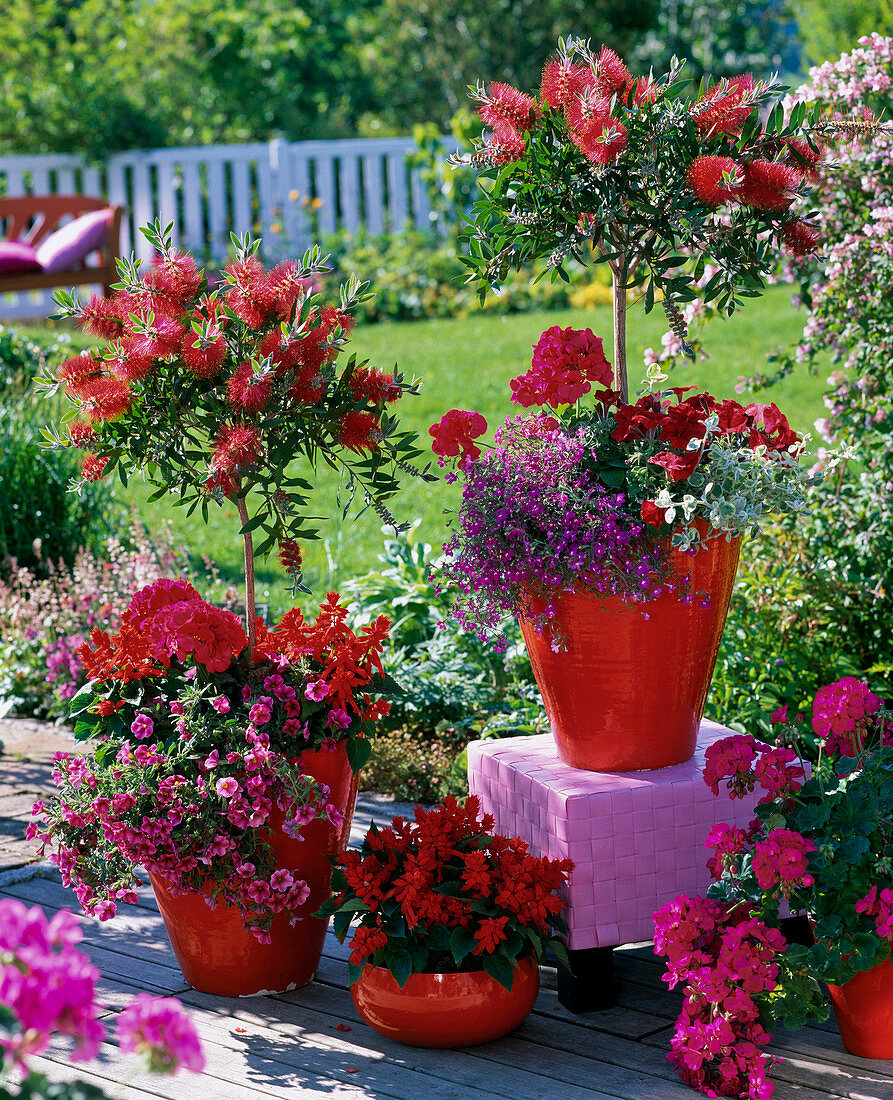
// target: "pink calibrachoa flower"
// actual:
[[160, 1030], [338, 719], [221, 704], [142, 726], [227, 787], [317, 690]]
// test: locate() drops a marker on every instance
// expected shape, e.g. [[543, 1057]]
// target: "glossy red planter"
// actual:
[[213, 949], [628, 692], [445, 1010], [863, 1007]]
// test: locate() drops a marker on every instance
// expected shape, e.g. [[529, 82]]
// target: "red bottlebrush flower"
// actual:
[[588, 111], [722, 111], [805, 158], [359, 431], [716, 180], [769, 185], [308, 385], [604, 142], [285, 287], [100, 317], [651, 514], [290, 557], [374, 386], [223, 481], [331, 317], [247, 393], [502, 105], [204, 357], [250, 296], [104, 398], [81, 435], [93, 468], [132, 364], [505, 147], [160, 341], [455, 431], [612, 77], [236, 448], [563, 81], [646, 90], [174, 276], [77, 369], [800, 238]]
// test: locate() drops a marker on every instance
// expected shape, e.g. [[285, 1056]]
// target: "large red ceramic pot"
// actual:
[[628, 691], [863, 1007], [445, 1010], [215, 952]]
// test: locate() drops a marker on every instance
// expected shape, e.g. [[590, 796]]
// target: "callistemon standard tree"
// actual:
[[233, 393], [638, 174]]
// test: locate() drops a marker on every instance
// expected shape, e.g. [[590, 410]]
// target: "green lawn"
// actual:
[[467, 363]]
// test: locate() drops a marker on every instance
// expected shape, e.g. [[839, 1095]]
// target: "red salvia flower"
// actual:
[[490, 934], [716, 180], [502, 105], [563, 81], [769, 185]]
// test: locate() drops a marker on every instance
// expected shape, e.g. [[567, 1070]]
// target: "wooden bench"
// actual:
[[32, 218]]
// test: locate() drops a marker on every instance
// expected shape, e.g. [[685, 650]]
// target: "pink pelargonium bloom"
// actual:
[[160, 1030], [454, 433], [782, 859], [565, 364]]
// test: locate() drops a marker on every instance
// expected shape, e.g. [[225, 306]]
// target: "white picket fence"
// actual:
[[290, 193]]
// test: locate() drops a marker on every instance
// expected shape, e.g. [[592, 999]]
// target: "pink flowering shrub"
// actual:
[[48, 988], [194, 742], [821, 843], [44, 620]]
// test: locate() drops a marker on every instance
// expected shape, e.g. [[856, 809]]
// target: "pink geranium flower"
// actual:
[[160, 1029]]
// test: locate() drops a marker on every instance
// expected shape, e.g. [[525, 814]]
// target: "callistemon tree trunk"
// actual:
[[618, 295], [250, 625]]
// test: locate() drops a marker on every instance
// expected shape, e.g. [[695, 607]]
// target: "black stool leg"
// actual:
[[591, 985]]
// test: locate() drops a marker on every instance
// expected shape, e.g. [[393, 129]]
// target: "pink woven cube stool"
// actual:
[[636, 839]]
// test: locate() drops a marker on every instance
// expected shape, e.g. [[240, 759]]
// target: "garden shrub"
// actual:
[[45, 619], [456, 687]]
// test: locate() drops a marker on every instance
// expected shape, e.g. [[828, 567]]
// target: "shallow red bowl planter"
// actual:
[[628, 692], [213, 949], [863, 1007], [445, 1010]]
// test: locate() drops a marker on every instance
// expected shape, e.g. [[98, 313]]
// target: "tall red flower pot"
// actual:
[[863, 1007], [445, 1010], [216, 953], [628, 691]]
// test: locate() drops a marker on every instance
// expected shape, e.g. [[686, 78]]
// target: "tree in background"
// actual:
[[828, 28], [97, 76], [724, 39], [420, 55]]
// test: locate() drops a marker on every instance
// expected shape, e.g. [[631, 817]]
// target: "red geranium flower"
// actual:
[[454, 432]]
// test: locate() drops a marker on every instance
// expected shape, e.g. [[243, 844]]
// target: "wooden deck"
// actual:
[[297, 1045]]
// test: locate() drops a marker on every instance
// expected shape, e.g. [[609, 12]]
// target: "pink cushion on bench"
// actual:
[[74, 242], [17, 256]]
